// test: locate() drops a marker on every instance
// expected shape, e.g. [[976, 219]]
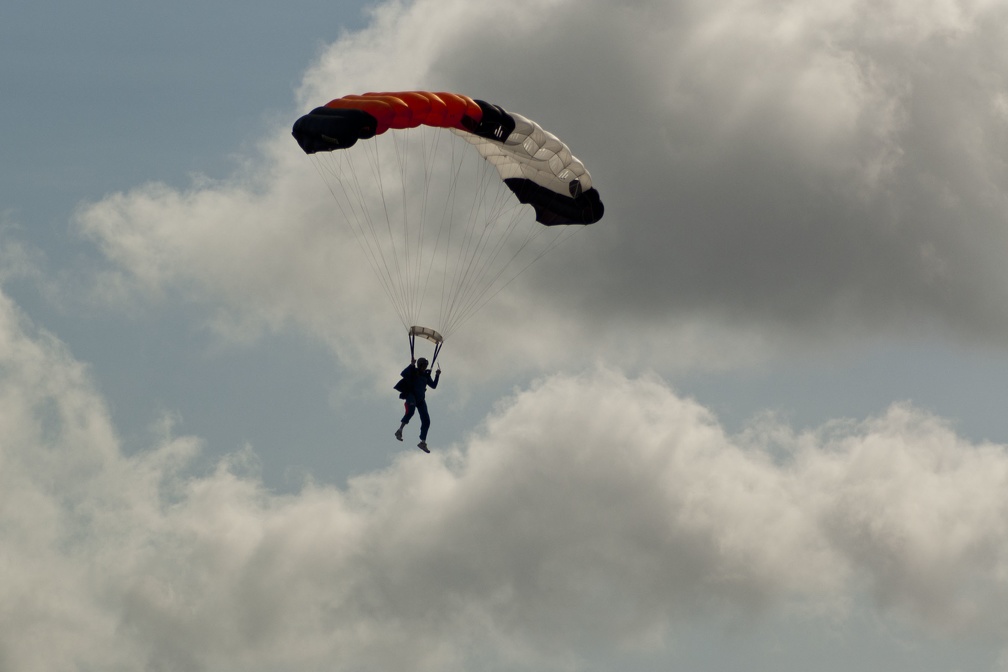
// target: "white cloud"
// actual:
[[772, 174], [588, 512]]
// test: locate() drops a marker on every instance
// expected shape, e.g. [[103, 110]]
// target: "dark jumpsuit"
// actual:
[[416, 396]]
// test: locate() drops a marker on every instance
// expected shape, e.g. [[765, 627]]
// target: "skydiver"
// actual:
[[413, 387]]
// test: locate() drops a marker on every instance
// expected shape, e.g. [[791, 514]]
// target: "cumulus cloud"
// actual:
[[773, 172], [591, 512], [776, 165]]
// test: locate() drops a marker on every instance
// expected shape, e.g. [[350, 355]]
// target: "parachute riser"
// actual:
[[428, 334]]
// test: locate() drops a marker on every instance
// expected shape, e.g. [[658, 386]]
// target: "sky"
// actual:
[[751, 420]]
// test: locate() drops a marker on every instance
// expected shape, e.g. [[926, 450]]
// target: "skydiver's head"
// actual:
[[421, 364]]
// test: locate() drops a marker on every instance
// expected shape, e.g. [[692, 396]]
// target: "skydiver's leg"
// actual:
[[424, 419], [410, 406]]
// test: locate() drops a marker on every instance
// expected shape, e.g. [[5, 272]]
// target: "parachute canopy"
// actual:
[[429, 217], [533, 163]]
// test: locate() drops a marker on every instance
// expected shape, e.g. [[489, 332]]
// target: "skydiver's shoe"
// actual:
[[423, 446], [398, 434]]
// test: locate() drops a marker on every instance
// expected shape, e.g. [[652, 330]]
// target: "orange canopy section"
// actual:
[[408, 109]]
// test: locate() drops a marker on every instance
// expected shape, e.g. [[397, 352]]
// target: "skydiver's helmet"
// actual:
[[421, 363]]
